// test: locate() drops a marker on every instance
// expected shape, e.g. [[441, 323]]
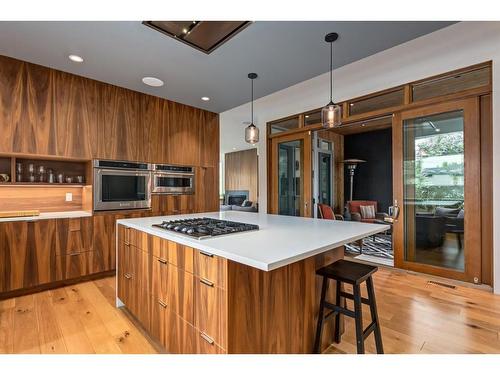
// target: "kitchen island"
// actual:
[[248, 292]]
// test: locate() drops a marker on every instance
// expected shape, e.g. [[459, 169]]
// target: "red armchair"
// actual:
[[326, 212], [355, 210]]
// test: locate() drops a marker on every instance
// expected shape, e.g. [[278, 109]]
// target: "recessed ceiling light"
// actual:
[[184, 30], [307, 116], [75, 58], [205, 98], [152, 81]]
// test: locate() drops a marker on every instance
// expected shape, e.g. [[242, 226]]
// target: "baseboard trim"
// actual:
[[55, 284]]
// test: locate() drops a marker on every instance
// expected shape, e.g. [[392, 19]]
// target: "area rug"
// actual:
[[378, 249]]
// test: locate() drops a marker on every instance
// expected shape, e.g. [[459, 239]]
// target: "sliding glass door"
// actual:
[[437, 164], [291, 175]]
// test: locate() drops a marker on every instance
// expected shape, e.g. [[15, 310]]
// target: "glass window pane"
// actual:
[[385, 100], [312, 118], [451, 84], [284, 125], [434, 190], [289, 177]]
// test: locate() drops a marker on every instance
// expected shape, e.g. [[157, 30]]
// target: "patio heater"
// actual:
[[351, 165]]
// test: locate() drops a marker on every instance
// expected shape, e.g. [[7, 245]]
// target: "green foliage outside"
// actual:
[[441, 145]]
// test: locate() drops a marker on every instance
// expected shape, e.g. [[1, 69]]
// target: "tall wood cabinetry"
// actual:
[[51, 113], [176, 292]]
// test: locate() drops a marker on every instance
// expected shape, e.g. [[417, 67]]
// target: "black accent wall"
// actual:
[[373, 179]]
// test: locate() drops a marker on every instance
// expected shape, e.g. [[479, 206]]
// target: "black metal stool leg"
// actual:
[[358, 310], [337, 316], [374, 314], [321, 313]]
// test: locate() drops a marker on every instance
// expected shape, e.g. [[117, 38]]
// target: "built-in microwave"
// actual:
[[121, 185], [173, 179]]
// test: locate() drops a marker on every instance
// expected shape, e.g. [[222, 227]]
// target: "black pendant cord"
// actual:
[[252, 101], [331, 72]]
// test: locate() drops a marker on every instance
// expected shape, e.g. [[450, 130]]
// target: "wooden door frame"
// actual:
[[472, 182], [272, 166]]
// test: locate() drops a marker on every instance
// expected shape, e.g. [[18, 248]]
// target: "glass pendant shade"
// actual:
[[331, 116], [251, 134]]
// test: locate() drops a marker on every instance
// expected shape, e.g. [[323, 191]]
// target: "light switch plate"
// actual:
[[69, 197]]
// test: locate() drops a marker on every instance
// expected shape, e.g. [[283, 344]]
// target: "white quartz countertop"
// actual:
[[281, 240], [49, 215]]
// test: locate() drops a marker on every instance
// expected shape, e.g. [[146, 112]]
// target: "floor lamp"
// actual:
[[351, 167]]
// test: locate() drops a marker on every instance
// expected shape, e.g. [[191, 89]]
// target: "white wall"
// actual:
[[454, 47]]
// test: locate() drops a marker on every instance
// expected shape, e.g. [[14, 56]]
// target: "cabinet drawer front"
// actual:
[[123, 234], [159, 320], [138, 239], [159, 279], [74, 235], [180, 336], [180, 295], [206, 345], [210, 267], [158, 247], [141, 285], [209, 310], [181, 256], [74, 265]]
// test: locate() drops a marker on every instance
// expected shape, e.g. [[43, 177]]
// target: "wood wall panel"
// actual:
[[241, 172], [182, 133], [284, 301], [77, 104], [209, 140], [48, 112], [10, 86], [43, 198], [33, 122], [207, 189], [151, 129], [118, 135]]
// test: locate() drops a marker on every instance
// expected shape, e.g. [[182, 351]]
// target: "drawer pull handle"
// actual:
[[162, 304], [206, 282], [206, 254], [207, 338], [127, 243], [162, 261], [128, 276], [74, 253]]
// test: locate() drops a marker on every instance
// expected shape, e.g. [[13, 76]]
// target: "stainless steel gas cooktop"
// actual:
[[205, 227]]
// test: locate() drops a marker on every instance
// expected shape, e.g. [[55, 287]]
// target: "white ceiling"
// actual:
[[282, 53]]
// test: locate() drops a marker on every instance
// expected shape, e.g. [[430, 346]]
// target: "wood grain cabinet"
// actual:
[[74, 235], [180, 293], [134, 277], [48, 112], [27, 254], [74, 265], [177, 296], [206, 187], [208, 306]]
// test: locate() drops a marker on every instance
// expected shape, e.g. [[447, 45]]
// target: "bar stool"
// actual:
[[343, 271]]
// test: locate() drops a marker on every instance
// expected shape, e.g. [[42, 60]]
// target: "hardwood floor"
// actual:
[[80, 318], [416, 317]]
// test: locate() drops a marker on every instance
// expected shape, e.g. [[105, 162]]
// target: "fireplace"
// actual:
[[235, 197]]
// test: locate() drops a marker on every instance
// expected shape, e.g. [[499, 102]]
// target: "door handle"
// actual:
[[207, 338], [206, 282]]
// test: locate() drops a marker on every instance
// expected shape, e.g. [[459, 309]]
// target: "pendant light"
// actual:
[[331, 113], [251, 131]]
